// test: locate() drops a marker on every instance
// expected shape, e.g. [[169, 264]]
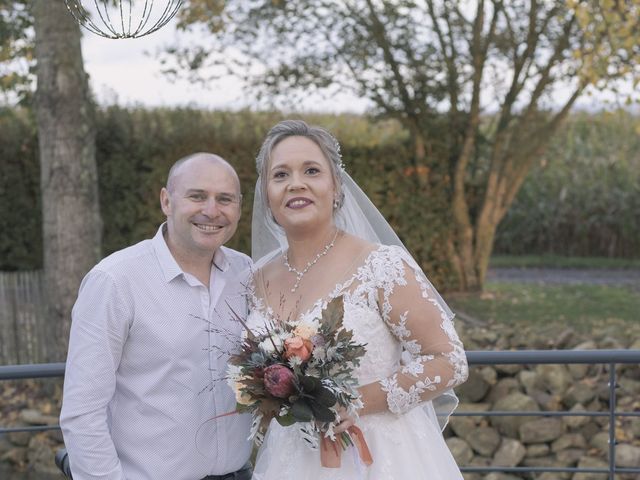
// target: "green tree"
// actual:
[[16, 50], [482, 86]]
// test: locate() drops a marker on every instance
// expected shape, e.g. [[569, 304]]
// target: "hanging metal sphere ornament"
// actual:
[[123, 18]]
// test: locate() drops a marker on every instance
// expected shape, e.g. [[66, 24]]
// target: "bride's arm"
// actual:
[[424, 327]]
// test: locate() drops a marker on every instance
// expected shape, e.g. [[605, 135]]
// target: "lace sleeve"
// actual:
[[434, 356]]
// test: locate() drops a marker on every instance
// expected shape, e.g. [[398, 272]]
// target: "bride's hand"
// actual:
[[346, 420]]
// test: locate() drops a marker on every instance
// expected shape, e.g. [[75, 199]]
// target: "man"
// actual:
[[151, 332]]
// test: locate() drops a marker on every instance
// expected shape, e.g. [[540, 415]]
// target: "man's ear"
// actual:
[[165, 201]]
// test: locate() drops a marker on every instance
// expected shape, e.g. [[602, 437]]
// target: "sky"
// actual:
[[124, 71]]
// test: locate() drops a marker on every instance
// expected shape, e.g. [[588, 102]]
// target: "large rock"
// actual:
[[501, 476], [569, 440], [602, 391], [587, 345], [580, 392], [510, 370], [41, 455], [19, 439], [590, 429], [547, 401], [483, 336], [462, 426], [516, 401], [504, 386], [634, 427], [16, 456], [600, 441], [35, 417], [484, 440], [590, 462], [541, 430], [570, 456], [554, 476], [629, 386], [578, 370], [5, 445], [529, 380], [537, 450], [460, 450], [548, 461], [475, 388], [610, 343], [576, 422], [509, 454], [627, 456], [555, 379]]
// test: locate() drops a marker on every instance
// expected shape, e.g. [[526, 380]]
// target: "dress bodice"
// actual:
[[412, 348]]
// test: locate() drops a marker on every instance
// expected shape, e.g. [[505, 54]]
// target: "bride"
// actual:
[[316, 236]]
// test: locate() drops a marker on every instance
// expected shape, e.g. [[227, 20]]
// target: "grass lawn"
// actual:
[[582, 307], [555, 261]]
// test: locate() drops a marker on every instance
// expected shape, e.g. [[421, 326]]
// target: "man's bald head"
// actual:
[[181, 164]]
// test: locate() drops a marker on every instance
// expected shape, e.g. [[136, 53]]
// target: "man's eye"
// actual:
[[197, 196], [224, 200]]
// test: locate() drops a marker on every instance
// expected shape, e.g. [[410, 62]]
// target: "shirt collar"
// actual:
[[220, 260], [168, 264]]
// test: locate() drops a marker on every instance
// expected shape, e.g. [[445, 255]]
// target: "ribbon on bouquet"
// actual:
[[331, 450]]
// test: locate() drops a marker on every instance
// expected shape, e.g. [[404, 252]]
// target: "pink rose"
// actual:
[[298, 347], [278, 380]]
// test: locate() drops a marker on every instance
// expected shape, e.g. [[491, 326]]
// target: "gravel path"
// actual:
[[567, 276]]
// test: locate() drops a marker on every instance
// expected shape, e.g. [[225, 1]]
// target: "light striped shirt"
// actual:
[[149, 344]]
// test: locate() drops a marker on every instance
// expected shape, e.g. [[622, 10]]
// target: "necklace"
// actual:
[[299, 274]]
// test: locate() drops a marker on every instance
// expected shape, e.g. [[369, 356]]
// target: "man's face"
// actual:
[[202, 208]]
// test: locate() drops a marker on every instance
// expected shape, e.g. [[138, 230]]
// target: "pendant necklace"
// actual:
[[299, 274]]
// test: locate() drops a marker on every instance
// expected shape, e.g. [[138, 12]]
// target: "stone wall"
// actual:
[[506, 441], [568, 441]]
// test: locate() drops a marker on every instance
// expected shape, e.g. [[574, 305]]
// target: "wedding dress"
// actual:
[[382, 297]]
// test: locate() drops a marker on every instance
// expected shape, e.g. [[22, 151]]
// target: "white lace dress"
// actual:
[[414, 353]]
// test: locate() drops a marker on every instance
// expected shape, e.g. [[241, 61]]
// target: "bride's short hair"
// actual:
[[298, 128]]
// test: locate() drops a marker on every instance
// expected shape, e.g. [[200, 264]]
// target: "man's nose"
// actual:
[[210, 208]]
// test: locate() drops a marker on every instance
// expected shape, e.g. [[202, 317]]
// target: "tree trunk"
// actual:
[[71, 219]]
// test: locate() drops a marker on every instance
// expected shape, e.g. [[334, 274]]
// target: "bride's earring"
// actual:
[[336, 203]]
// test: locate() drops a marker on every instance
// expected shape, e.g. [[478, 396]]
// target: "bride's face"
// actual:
[[300, 188]]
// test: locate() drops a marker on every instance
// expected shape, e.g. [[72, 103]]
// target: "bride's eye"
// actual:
[[279, 175], [312, 171]]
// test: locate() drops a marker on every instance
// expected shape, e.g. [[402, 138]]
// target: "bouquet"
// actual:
[[301, 372]]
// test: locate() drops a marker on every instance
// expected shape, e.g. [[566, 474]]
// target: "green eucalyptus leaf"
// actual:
[[302, 411], [286, 420]]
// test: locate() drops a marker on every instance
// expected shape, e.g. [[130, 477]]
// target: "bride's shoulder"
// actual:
[[357, 246], [367, 252]]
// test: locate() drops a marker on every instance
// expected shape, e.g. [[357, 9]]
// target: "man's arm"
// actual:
[[99, 328]]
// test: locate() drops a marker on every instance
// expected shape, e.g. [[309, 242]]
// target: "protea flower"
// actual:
[[278, 380]]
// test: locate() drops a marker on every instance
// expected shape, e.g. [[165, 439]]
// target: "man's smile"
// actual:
[[208, 228]]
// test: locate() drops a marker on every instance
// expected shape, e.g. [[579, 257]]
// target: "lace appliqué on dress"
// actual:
[[389, 265]]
